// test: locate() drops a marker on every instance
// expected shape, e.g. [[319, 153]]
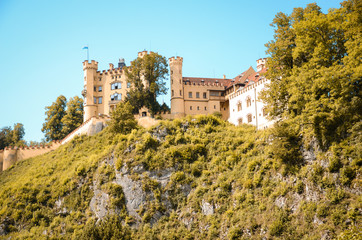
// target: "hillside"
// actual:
[[190, 178]]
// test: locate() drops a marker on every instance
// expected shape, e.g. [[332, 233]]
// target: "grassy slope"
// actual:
[[254, 188]]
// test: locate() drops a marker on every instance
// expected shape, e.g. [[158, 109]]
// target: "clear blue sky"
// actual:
[[41, 43]]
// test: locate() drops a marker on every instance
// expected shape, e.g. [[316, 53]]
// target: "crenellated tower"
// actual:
[[90, 76], [177, 91]]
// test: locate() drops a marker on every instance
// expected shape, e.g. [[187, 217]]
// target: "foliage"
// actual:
[[147, 75], [315, 71], [73, 116], [62, 117], [122, 119], [12, 137]]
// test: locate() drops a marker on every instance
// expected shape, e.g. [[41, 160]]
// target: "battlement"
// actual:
[[143, 53], [90, 65], [174, 60], [111, 71]]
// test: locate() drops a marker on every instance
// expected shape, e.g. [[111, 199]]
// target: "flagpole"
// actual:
[[88, 52]]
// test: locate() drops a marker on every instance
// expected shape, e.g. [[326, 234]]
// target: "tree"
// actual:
[[74, 115], [62, 117], [12, 137], [147, 75], [122, 118], [315, 70], [53, 125]]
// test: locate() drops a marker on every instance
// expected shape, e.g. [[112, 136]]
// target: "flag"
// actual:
[[86, 47]]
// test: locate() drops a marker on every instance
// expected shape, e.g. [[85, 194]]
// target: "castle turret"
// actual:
[[177, 92], [90, 74]]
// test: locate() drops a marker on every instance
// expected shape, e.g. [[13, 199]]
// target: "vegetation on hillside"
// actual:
[[200, 178]]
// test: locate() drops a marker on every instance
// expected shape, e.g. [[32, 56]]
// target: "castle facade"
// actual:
[[237, 99]]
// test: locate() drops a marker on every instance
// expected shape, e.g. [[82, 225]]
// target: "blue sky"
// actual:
[[41, 43]]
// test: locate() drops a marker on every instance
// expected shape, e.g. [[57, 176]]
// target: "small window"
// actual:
[[248, 101], [94, 100], [204, 95], [249, 118], [100, 100], [190, 107], [95, 88], [172, 93], [214, 106], [239, 106], [205, 108], [116, 85], [100, 79], [100, 89], [198, 108], [197, 95], [180, 92], [240, 121], [190, 94], [116, 97]]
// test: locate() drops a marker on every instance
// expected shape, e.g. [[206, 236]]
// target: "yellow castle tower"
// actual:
[[90, 73], [177, 91]]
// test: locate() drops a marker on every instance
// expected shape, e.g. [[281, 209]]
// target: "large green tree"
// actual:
[[122, 118], [53, 125], [74, 115], [315, 70], [62, 117], [147, 75]]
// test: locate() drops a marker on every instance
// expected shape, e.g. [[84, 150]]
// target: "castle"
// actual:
[[237, 100]]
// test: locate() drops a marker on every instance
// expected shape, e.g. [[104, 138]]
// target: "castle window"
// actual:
[[239, 106], [171, 72], [249, 118], [198, 108], [128, 84], [94, 100], [190, 107], [100, 100], [100, 79], [190, 94], [248, 101], [180, 93], [116, 96], [172, 93], [100, 89], [240, 121], [95, 88], [205, 108], [204, 94], [214, 106], [116, 85], [197, 95]]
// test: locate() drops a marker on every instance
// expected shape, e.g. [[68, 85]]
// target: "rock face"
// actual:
[[207, 208], [99, 203], [133, 193]]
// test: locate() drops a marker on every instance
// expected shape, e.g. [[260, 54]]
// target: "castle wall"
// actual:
[[1, 160], [255, 110]]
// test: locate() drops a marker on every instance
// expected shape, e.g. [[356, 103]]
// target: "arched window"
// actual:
[[249, 118], [248, 101], [239, 106]]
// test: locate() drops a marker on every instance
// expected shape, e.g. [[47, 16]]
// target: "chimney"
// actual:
[[224, 76], [111, 66]]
